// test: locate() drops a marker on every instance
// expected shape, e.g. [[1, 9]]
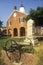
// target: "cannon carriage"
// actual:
[[14, 49]]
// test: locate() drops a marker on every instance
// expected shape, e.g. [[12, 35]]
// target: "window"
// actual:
[[9, 23], [21, 19], [22, 31]]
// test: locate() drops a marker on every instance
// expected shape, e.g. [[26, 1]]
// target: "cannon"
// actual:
[[13, 50]]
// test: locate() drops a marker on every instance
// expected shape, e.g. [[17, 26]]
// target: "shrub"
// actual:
[[28, 49]]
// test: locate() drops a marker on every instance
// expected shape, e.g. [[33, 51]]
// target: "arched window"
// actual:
[[22, 31], [15, 32]]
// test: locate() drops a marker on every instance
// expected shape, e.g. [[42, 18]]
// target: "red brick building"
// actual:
[[16, 23]]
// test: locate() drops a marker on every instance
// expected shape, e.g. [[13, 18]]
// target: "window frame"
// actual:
[[9, 23], [21, 19]]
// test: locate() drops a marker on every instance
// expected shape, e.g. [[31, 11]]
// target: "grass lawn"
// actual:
[[39, 51], [3, 41]]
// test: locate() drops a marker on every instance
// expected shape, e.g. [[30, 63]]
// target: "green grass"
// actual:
[[19, 39], [3, 41]]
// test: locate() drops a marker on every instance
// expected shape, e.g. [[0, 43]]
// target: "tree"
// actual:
[[0, 27], [0, 23], [36, 15]]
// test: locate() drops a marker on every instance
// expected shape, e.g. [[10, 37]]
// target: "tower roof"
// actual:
[[21, 5]]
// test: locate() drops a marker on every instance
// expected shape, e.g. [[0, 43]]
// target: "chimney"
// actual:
[[15, 8]]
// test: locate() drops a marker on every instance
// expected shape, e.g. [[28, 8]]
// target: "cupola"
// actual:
[[22, 9]]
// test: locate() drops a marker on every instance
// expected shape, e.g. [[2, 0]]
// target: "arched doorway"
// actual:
[[22, 31], [15, 32]]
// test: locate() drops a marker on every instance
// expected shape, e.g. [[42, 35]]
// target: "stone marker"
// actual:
[[31, 32]]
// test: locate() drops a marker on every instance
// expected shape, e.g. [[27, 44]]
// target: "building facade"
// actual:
[[16, 23]]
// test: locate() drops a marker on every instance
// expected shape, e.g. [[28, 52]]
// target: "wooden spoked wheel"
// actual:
[[12, 50]]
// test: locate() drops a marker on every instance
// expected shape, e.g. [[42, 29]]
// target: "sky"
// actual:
[[7, 6]]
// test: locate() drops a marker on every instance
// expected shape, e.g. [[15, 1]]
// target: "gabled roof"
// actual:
[[15, 11]]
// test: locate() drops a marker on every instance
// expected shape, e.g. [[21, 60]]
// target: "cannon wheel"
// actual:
[[12, 50]]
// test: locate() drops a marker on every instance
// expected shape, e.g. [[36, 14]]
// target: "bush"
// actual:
[[28, 49]]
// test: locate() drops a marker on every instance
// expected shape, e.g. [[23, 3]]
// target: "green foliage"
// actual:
[[2, 42], [0, 23], [0, 27], [36, 15], [28, 49], [19, 39]]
